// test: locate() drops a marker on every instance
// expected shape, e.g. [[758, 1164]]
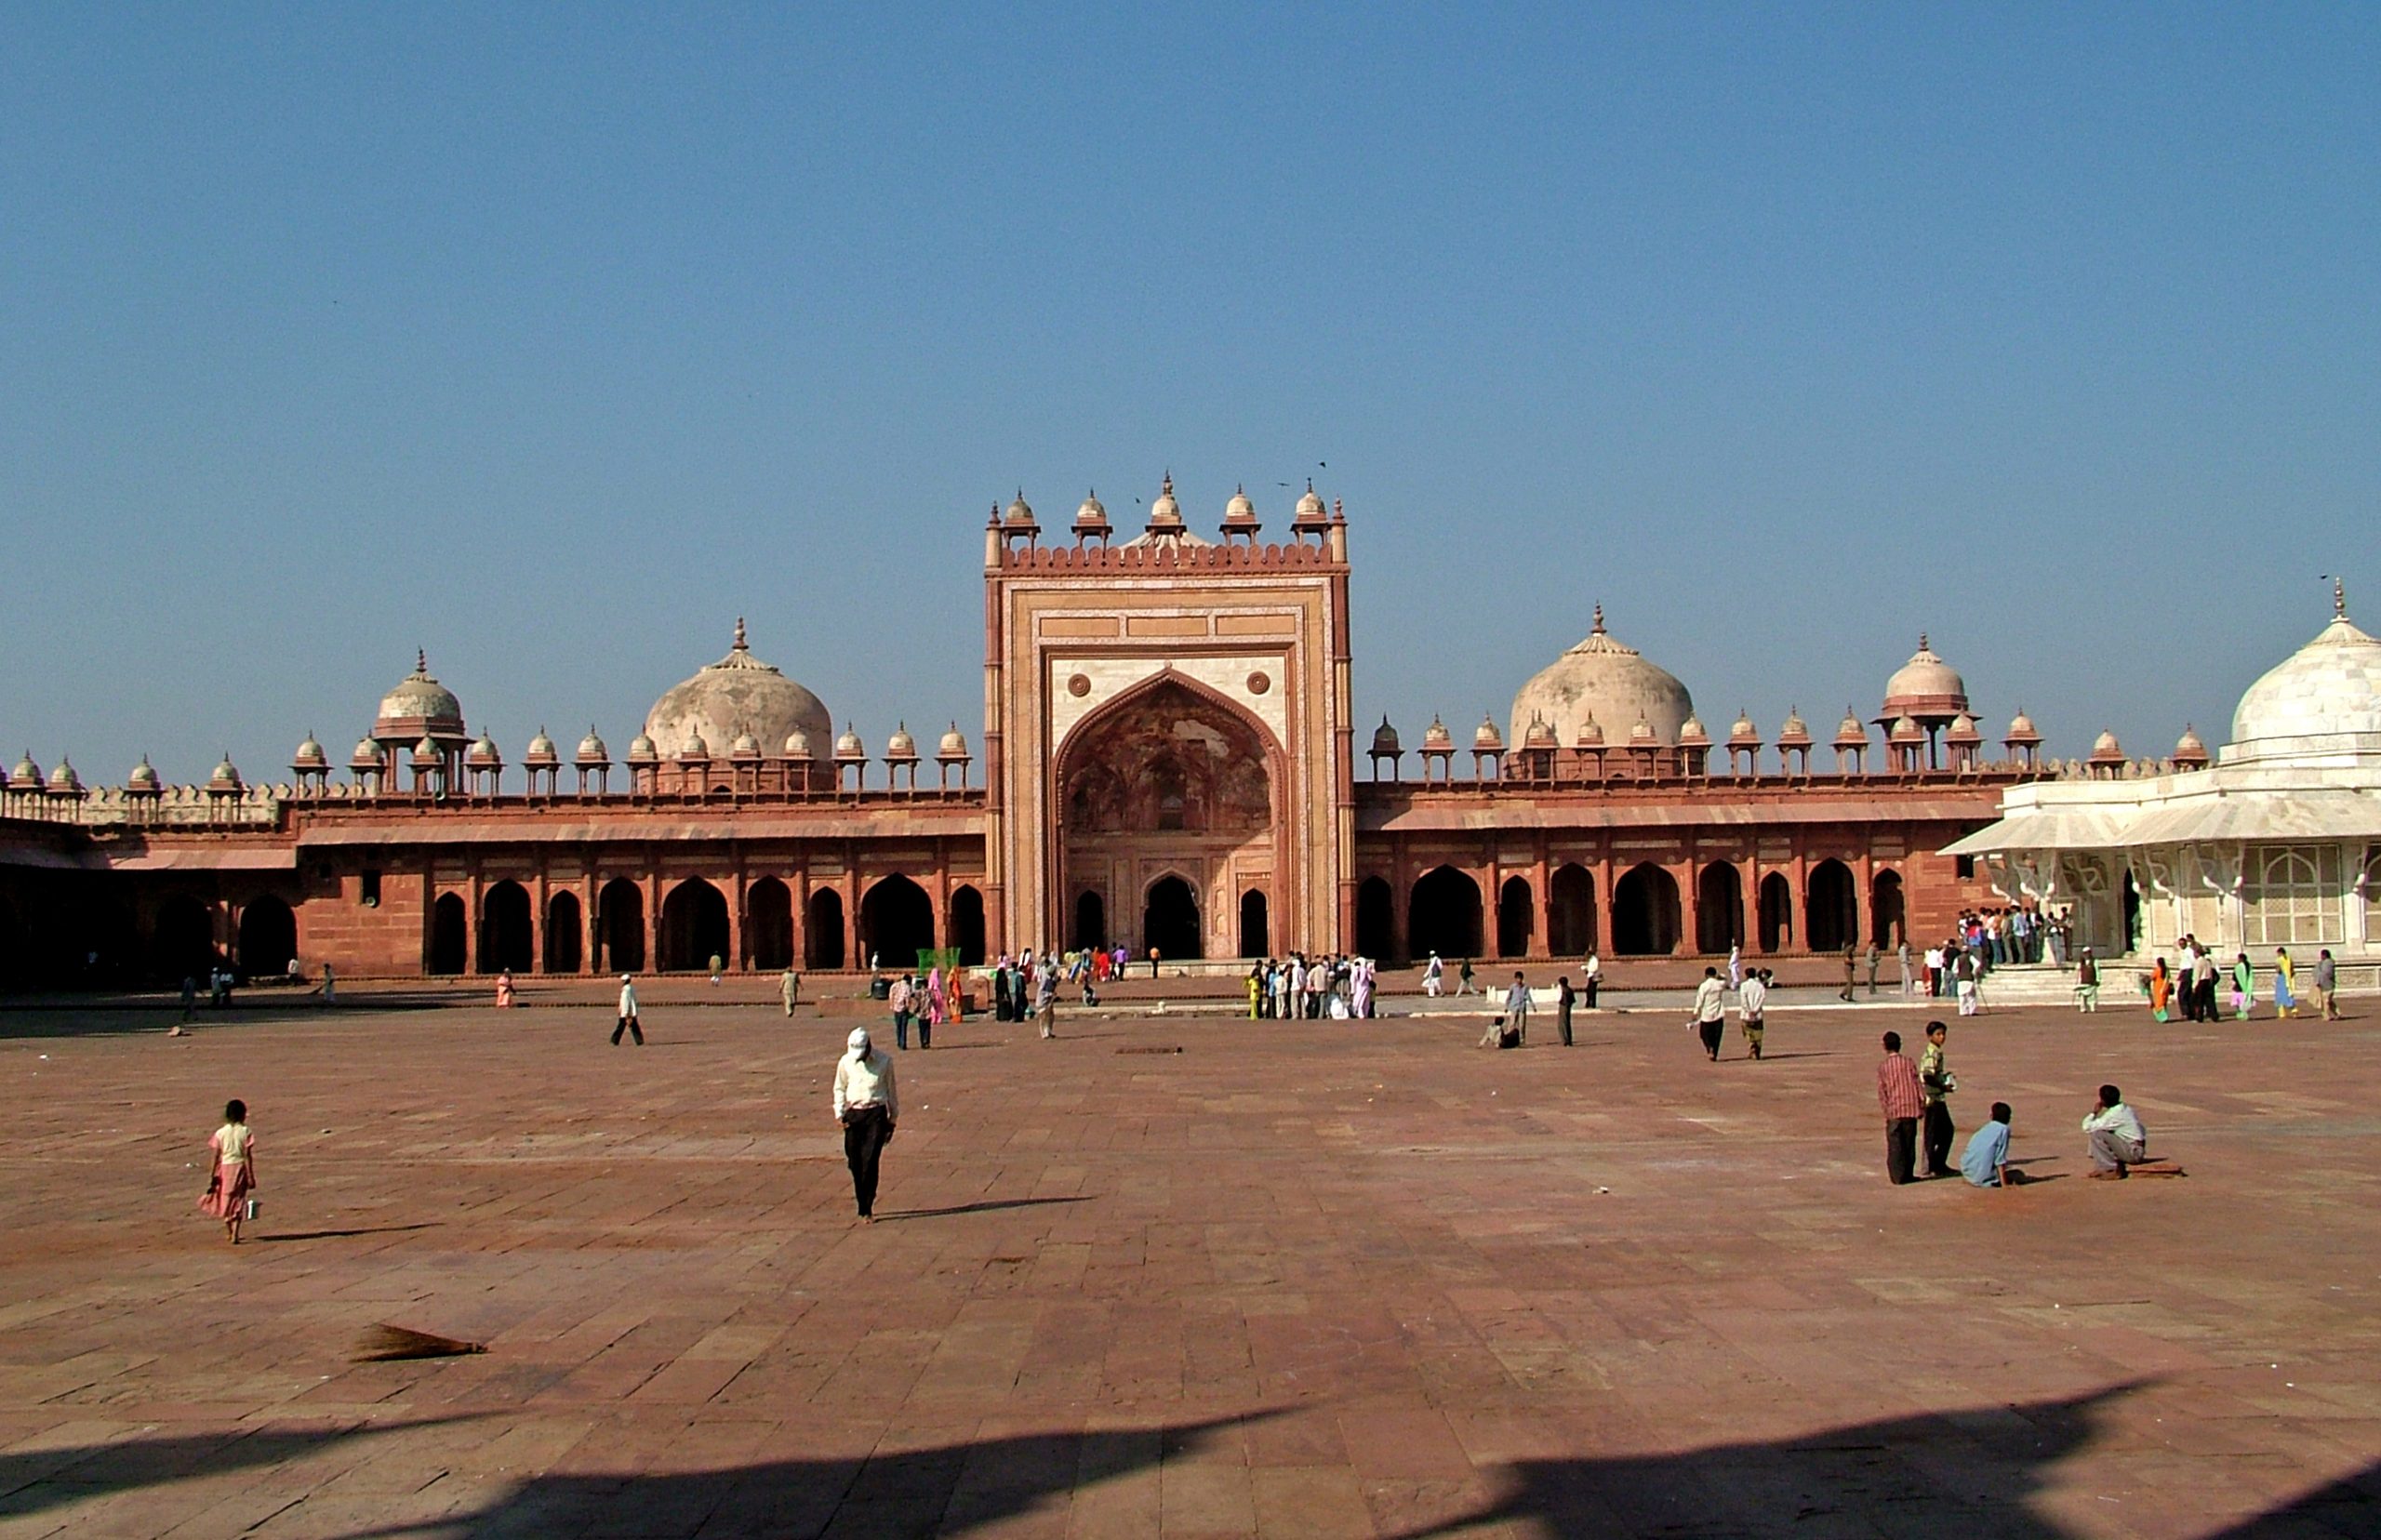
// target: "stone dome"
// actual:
[[592, 750], [541, 750], [2105, 747], [1092, 517], [2022, 729], [367, 755], [697, 750], [228, 774], [1906, 730], [1742, 733], [739, 693], [310, 754], [954, 744], [642, 750], [1964, 730], [26, 775], [1311, 505], [1385, 739], [144, 776], [1691, 731], [797, 744], [1165, 511], [745, 747], [1796, 732], [2324, 699], [1433, 737], [1485, 736], [419, 698], [426, 751], [1642, 734], [1019, 512], [901, 746], [2190, 746], [848, 746], [63, 778], [1849, 732], [1590, 734], [1541, 735], [1924, 688], [1602, 678], [1240, 513], [484, 753]]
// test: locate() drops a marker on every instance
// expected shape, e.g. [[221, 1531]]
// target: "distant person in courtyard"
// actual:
[[1937, 1081], [938, 1007], [1900, 1099], [232, 1162], [717, 964], [2244, 987], [2113, 1135], [1985, 1162], [1045, 998], [2285, 984], [1850, 972], [867, 1106], [1752, 1008], [901, 999], [2161, 988], [2087, 982], [1875, 958], [190, 996], [1711, 1012], [504, 990], [1735, 966], [1435, 974], [1591, 979], [1463, 985], [1517, 1007], [1901, 955], [789, 989], [1564, 997], [330, 985], [628, 1014], [2324, 994]]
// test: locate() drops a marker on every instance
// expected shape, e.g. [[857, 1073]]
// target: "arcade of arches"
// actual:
[[1654, 908], [1168, 838]]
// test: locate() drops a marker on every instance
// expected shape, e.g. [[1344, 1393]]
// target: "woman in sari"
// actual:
[[2244, 987], [233, 1152], [2285, 980], [2161, 988], [504, 989]]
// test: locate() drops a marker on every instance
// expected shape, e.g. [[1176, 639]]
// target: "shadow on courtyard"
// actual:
[[1964, 1473], [35, 1481]]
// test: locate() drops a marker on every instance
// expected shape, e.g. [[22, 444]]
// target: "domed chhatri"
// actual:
[[737, 694], [642, 750], [1435, 736], [954, 745], [1541, 735], [1601, 677], [797, 747], [901, 746], [1796, 734], [26, 777], [2323, 700], [1924, 688], [310, 754], [848, 746], [592, 750], [541, 750], [1091, 519], [419, 706], [1485, 736], [1385, 739], [144, 776]]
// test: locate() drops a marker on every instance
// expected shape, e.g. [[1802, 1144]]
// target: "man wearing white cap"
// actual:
[[867, 1106], [628, 1014]]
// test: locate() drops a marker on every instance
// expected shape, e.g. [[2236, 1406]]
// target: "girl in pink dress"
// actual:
[[233, 1149], [504, 989]]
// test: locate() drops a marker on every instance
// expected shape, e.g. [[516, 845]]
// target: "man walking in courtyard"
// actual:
[[1900, 1100], [628, 1014], [2325, 994], [789, 989], [1850, 972], [1753, 1004], [1564, 997], [867, 1106], [1711, 1012], [1045, 998]]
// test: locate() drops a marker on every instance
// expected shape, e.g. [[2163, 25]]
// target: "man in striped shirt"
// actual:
[[1899, 1098]]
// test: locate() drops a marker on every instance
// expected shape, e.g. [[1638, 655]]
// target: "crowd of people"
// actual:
[[2189, 988], [1916, 1102]]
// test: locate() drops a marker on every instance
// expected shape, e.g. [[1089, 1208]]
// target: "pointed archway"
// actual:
[[1170, 926]]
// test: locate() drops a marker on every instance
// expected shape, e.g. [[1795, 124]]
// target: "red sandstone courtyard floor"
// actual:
[[1340, 1280]]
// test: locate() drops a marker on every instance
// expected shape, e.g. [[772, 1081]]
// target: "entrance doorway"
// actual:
[[1170, 920], [1252, 939], [1644, 913], [1091, 921]]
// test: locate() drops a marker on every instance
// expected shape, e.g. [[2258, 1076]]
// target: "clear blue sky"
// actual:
[[554, 338]]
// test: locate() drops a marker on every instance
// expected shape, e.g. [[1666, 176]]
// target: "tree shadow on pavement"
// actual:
[[34, 1480]]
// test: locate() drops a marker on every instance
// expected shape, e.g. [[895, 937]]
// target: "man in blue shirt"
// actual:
[[1985, 1162]]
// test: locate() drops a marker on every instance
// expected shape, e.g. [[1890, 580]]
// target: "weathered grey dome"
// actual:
[[1602, 678], [144, 776], [541, 750], [310, 755], [592, 750], [1385, 739], [421, 698], [739, 693]]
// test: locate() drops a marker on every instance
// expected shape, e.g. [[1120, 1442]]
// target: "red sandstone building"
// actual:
[[1169, 761]]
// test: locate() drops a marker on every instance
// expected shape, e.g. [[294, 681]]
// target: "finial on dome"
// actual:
[[2339, 599], [740, 636], [1922, 645], [421, 661], [1597, 630]]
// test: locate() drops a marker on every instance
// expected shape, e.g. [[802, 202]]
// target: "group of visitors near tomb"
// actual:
[[2189, 988], [1915, 1099]]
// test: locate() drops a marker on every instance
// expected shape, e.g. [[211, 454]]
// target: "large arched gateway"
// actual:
[[1165, 801]]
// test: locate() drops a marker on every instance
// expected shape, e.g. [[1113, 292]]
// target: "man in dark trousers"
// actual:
[[1902, 1102], [1563, 996], [1935, 1084]]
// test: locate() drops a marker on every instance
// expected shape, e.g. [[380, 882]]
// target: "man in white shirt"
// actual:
[[1590, 979], [2114, 1134], [867, 1106], [1435, 974], [1710, 1012], [628, 1013], [1752, 999]]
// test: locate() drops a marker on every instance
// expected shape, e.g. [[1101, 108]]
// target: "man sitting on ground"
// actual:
[[1985, 1162], [2115, 1137]]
